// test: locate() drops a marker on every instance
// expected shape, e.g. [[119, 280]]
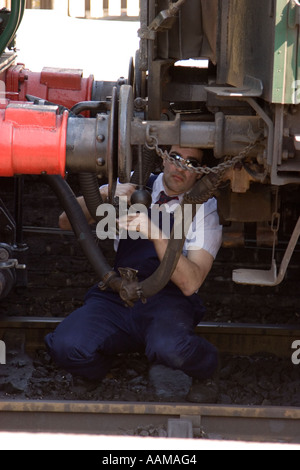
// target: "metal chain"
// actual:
[[152, 144]]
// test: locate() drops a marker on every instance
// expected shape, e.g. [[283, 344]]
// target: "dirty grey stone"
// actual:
[[18, 372], [169, 384]]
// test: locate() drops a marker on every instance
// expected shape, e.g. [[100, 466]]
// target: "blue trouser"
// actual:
[[164, 328], [87, 341]]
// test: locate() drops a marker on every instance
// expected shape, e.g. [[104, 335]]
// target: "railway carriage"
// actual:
[[222, 75]]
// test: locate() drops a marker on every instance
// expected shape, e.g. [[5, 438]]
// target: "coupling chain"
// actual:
[[152, 144]]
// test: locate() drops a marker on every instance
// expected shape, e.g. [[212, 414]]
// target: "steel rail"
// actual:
[[229, 338], [222, 422], [249, 424]]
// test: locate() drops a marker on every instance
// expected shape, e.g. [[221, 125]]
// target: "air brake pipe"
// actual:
[[130, 292], [79, 224], [89, 186], [202, 192]]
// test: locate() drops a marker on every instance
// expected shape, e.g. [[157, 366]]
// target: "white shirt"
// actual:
[[205, 232]]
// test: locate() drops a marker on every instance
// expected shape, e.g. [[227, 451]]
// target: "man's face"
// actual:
[[176, 180]]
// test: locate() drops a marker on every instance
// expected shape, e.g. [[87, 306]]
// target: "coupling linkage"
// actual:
[[126, 284], [152, 144], [130, 291]]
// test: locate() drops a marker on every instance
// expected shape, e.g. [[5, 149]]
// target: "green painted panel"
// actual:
[[286, 74]]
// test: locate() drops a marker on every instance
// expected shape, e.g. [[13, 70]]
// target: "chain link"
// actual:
[[152, 144]]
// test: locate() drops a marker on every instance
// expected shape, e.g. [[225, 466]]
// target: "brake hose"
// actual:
[[79, 224]]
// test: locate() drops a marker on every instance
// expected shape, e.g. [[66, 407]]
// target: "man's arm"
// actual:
[[64, 223], [191, 271], [121, 191]]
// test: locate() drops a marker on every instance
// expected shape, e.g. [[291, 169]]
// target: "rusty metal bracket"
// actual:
[[166, 18], [252, 88], [269, 278]]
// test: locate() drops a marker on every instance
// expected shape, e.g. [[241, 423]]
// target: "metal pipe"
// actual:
[[198, 134], [95, 106], [7, 282], [19, 190], [87, 145], [17, 10]]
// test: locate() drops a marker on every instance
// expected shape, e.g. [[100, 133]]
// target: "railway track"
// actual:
[[230, 338], [251, 424], [177, 420], [273, 424]]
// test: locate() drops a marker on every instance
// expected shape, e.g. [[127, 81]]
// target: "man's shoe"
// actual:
[[204, 392]]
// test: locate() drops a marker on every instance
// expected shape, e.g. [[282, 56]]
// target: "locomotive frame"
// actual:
[[244, 103]]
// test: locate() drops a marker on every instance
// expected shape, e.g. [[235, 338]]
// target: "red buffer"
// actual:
[[33, 140]]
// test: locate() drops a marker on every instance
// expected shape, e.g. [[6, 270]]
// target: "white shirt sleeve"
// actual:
[[205, 232]]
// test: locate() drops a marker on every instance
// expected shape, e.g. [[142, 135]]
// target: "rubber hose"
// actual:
[[90, 190], [160, 278], [149, 165], [202, 191], [79, 224]]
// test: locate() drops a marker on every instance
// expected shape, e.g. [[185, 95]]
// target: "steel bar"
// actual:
[[270, 424], [230, 338]]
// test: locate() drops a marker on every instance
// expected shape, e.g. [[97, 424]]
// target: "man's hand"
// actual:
[[190, 272], [122, 190], [136, 223]]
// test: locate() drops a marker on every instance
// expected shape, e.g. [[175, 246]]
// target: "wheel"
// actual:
[[124, 141], [112, 147]]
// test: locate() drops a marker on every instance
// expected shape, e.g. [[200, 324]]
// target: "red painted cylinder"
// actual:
[[33, 140], [65, 87]]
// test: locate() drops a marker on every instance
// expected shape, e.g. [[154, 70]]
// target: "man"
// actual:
[[87, 341]]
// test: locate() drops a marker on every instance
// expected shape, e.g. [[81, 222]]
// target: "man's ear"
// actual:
[[200, 176]]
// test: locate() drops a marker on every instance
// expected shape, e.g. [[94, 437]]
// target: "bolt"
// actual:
[[4, 255], [122, 81], [100, 138], [100, 162]]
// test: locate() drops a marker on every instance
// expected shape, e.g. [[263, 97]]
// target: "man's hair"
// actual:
[[209, 158]]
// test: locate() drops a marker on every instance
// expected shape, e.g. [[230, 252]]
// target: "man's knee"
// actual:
[[191, 354], [167, 351], [65, 353]]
